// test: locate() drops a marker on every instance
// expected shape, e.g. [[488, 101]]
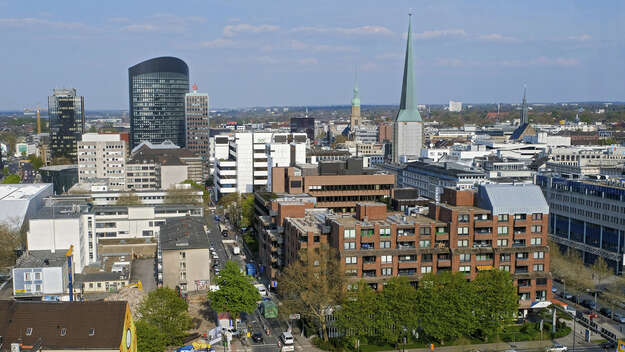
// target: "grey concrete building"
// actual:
[[183, 255]]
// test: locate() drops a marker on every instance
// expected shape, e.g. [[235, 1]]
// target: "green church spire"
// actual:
[[408, 111]]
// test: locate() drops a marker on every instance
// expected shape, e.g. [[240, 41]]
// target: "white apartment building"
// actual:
[[250, 158], [102, 157]]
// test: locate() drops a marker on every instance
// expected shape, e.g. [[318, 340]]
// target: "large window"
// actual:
[[426, 269], [349, 233], [502, 217], [502, 230], [351, 260], [425, 244]]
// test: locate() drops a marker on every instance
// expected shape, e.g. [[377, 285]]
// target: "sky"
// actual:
[[306, 53]]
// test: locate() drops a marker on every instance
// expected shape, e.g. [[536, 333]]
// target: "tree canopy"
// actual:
[[236, 292], [313, 285], [164, 310], [11, 179]]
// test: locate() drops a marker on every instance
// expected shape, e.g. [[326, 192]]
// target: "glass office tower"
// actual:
[[156, 90], [66, 112]]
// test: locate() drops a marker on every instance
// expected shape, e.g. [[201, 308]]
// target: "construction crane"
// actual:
[[68, 255]]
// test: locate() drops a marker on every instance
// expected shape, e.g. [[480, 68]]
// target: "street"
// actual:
[[612, 325]]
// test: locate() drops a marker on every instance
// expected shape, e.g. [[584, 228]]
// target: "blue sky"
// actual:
[[286, 52]]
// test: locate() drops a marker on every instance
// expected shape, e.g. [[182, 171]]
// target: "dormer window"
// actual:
[[29, 331], [63, 331], [91, 331]]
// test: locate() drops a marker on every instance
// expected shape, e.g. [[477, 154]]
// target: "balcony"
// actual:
[[369, 260], [406, 245], [442, 237], [407, 272], [483, 231], [521, 270], [446, 263], [367, 246], [369, 273]]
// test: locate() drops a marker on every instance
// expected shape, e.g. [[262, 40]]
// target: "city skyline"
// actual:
[[247, 54]]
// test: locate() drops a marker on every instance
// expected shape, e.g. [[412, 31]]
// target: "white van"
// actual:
[[261, 289], [287, 341]]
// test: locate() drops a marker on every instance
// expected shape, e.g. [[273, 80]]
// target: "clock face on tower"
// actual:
[[128, 338]]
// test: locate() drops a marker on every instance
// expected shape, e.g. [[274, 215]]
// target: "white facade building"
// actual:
[[455, 106], [102, 157], [251, 157]]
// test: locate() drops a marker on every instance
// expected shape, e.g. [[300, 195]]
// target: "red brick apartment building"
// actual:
[[500, 226]]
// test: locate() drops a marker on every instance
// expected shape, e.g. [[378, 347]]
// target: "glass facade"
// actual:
[[157, 89], [66, 112]]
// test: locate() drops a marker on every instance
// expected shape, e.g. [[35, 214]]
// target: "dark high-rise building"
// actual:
[[157, 88], [66, 112], [304, 125]]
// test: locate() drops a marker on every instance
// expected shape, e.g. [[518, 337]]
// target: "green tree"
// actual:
[[5, 171], [128, 198], [313, 285], [150, 338], [360, 314], [236, 292], [181, 196], [166, 311], [398, 298], [10, 240], [11, 179], [35, 161], [498, 301], [247, 210], [444, 305]]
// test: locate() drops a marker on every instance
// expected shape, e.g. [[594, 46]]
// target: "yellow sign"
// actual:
[[621, 346], [484, 267], [129, 334]]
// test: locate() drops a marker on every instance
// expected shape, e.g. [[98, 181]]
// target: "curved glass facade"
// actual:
[[157, 89]]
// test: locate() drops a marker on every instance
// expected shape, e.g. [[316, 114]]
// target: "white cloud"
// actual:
[[581, 38], [390, 56], [542, 61], [298, 45], [140, 28], [220, 43], [496, 37], [38, 22], [362, 30], [234, 29], [438, 33], [307, 61]]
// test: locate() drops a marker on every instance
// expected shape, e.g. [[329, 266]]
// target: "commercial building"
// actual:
[[385, 132], [183, 255], [197, 126], [587, 216], [161, 166], [427, 177], [66, 113], [500, 226], [156, 90], [102, 157], [67, 326], [366, 134], [75, 222], [19, 202], [408, 125], [62, 177], [40, 273], [455, 106], [303, 125], [250, 158], [336, 185]]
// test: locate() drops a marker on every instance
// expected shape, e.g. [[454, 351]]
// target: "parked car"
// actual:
[[590, 304], [556, 347], [606, 312], [618, 318], [257, 337], [607, 345], [567, 295]]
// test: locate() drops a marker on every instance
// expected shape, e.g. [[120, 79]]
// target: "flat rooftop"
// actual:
[[22, 191], [41, 259]]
